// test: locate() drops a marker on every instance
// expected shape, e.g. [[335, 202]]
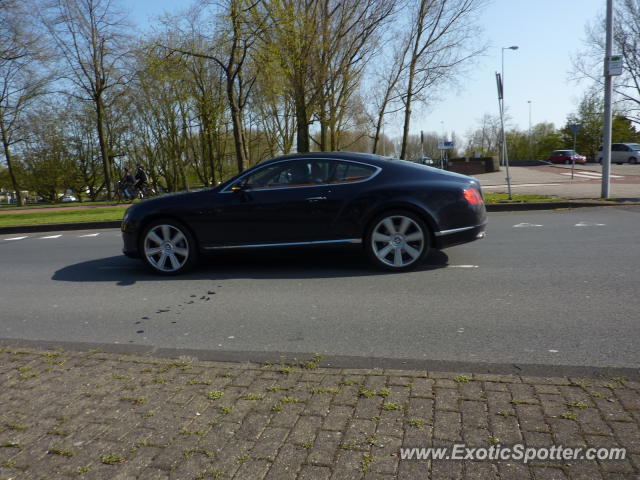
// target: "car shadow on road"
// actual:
[[274, 264]]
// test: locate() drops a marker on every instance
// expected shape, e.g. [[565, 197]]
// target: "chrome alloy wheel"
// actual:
[[166, 248], [397, 241]]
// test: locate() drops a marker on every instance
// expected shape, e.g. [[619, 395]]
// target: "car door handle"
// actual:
[[316, 199]]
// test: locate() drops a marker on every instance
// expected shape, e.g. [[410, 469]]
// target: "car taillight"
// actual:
[[472, 195]]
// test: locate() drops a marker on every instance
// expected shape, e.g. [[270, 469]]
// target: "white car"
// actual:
[[69, 198], [623, 153]]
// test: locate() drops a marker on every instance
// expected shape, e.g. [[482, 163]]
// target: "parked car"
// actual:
[[622, 153], [566, 156], [397, 210], [425, 161], [69, 198]]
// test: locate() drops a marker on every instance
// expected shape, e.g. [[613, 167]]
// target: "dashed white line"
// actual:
[[589, 224], [89, 235], [15, 238], [527, 225], [50, 236], [463, 266]]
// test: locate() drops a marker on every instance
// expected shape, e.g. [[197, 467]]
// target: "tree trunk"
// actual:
[[7, 155], [104, 151], [376, 139], [407, 112], [302, 126]]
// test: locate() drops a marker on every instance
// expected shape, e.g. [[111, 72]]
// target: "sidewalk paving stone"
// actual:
[[95, 415]]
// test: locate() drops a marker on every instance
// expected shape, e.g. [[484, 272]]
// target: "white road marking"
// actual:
[[553, 351], [589, 224], [15, 238], [526, 225], [89, 235], [463, 266], [50, 236], [589, 174]]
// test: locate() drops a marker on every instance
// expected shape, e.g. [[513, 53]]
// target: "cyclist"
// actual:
[[141, 178], [127, 183]]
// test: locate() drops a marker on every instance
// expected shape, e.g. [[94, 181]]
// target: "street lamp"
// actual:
[[505, 157], [529, 102]]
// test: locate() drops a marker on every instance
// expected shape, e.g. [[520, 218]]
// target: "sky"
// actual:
[[548, 34]]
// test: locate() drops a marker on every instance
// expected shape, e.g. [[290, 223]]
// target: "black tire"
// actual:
[[633, 161], [567, 162], [406, 245], [168, 247]]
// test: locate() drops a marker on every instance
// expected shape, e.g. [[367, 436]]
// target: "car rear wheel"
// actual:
[[397, 240], [168, 247], [567, 162]]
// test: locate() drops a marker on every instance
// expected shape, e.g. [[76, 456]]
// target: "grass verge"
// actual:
[[491, 198], [21, 218]]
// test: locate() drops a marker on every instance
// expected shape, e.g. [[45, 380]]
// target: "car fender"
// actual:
[[401, 203]]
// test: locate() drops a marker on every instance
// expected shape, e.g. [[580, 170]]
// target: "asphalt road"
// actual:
[[552, 287]]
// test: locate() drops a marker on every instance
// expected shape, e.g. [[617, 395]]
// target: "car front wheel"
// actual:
[[397, 240], [168, 247]]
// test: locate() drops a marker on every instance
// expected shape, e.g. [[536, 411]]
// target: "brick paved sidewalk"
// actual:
[[103, 416]]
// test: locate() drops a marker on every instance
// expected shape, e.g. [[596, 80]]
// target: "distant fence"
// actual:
[[473, 166]]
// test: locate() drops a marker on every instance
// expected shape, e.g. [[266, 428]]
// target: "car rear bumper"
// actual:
[[449, 238]]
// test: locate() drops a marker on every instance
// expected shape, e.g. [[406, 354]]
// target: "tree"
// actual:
[[588, 63], [233, 42], [48, 163], [349, 31], [91, 37], [21, 79], [441, 36], [486, 138]]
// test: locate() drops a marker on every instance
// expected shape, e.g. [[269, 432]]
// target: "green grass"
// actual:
[[62, 216], [490, 198], [60, 205]]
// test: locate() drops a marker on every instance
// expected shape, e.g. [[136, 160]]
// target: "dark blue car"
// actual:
[[397, 210]]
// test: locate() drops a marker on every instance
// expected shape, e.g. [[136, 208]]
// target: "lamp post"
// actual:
[[505, 157], [529, 102]]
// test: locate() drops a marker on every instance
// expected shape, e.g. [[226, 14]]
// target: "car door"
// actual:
[[280, 203]]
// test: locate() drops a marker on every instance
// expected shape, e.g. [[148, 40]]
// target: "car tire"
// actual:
[[397, 240], [567, 162], [168, 247], [633, 161]]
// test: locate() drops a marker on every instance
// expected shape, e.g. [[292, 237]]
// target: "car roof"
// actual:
[[353, 156]]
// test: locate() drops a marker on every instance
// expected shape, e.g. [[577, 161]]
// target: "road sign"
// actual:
[[614, 65], [574, 128], [445, 145]]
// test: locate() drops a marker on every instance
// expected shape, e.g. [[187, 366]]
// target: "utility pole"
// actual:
[[608, 90]]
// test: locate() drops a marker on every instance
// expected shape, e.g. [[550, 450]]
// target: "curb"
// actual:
[[517, 207], [494, 207]]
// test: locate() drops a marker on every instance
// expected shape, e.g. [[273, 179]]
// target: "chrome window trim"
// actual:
[[227, 189], [286, 244], [457, 230]]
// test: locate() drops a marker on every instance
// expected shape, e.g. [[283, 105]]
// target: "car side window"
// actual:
[[344, 172], [286, 174]]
